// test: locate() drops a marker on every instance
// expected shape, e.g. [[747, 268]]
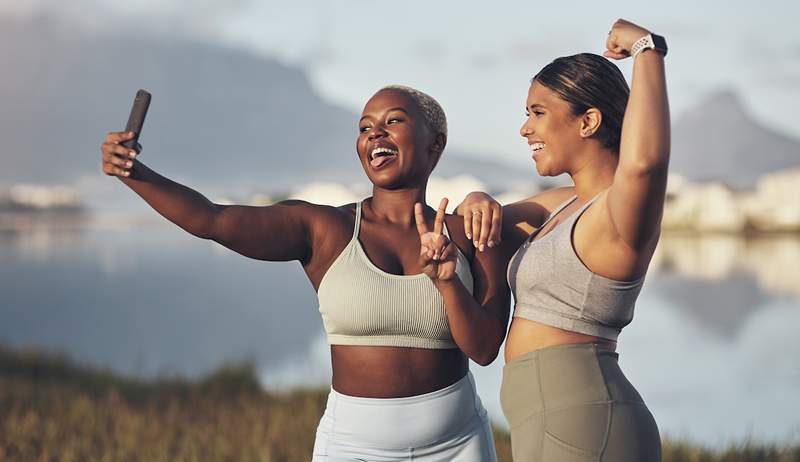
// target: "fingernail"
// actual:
[[129, 164], [481, 247], [475, 243], [132, 154], [126, 173], [491, 244], [469, 236]]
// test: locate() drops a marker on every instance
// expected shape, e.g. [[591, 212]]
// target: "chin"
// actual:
[[541, 169], [385, 180], [544, 168]]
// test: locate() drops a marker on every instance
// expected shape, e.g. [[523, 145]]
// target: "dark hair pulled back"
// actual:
[[586, 81]]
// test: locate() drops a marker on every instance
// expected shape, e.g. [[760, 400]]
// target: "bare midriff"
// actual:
[[525, 336], [393, 372]]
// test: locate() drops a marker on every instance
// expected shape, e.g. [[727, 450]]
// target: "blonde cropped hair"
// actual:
[[431, 109]]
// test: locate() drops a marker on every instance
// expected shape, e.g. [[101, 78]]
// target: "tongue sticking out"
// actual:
[[381, 159]]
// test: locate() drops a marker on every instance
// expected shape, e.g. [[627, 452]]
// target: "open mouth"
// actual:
[[382, 155], [536, 147]]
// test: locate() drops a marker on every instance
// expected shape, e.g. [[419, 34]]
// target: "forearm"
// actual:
[[645, 141], [177, 203], [477, 331]]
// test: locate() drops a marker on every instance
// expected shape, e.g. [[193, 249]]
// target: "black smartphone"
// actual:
[[136, 120]]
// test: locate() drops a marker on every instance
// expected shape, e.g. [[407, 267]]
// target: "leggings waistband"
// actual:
[[413, 421]]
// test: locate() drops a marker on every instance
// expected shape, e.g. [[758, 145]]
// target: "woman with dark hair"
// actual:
[[576, 276], [403, 310]]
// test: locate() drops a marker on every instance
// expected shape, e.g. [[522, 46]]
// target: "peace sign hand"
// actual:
[[437, 255]]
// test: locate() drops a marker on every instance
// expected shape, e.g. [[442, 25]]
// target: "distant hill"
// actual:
[[219, 116], [719, 140], [230, 119]]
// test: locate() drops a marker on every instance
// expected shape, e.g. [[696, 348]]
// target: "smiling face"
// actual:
[[395, 145], [552, 131]]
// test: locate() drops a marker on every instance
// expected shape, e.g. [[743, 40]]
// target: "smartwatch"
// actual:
[[649, 42]]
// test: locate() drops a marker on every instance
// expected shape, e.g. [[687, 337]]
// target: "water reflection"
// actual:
[[712, 348], [772, 261]]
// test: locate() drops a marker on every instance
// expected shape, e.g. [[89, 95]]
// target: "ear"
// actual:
[[590, 122], [437, 147], [439, 141]]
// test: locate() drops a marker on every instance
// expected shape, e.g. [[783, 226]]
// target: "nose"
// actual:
[[376, 132], [526, 129]]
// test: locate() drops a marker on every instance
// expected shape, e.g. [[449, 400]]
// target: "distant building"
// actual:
[[714, 207], [23, 197]]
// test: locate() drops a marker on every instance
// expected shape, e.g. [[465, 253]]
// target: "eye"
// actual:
[[538, 113], [394, 120], [363, 129]]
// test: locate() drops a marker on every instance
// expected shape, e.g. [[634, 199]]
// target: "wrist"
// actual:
[[445, 284], [649, 41]]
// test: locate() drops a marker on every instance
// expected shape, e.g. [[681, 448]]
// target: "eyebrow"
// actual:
[[388, 110], [536, 106]]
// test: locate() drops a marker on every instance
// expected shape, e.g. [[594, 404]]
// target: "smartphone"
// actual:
[[136, 120]]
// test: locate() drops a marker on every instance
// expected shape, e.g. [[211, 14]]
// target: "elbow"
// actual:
[[210, 226], [485, 359], [487, 354]]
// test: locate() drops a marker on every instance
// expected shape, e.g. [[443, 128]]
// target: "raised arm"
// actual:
[[250, 231], [635, 200], [477, 321]]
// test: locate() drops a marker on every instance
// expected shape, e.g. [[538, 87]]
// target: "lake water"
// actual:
[[714, 346]]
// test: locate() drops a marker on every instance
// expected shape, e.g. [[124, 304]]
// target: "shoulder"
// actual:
[[522, 217], [551, 198], [316, 212], [331, 229], [320, 221]]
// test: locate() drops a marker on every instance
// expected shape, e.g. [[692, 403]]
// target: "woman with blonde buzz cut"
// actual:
[[403, 306]]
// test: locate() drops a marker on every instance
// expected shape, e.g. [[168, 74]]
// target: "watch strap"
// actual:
[[646, 43]]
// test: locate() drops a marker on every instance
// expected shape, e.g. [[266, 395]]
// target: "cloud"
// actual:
[[429, 51], [174, 16], [528, 49], [484, 61]]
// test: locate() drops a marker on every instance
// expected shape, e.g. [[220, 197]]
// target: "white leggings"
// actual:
[[444, 425]]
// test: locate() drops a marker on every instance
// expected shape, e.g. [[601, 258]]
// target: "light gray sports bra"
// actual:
[[552, 286], [363, 305]]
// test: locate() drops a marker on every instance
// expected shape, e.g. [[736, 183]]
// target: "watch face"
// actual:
[[660, 43]]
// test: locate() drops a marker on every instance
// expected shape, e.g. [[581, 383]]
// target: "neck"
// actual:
[[596, 174], [396, 205]]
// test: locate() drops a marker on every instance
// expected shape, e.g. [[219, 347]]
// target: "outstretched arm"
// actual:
[[250, 231]]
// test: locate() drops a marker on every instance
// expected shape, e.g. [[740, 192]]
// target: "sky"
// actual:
[[476, 58]]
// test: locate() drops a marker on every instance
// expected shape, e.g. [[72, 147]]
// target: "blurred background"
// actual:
[[255, 101]]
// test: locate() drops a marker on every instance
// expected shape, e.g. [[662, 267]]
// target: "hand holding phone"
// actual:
[[119, 149], [136, 119]]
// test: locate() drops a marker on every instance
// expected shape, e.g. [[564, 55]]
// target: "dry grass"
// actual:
[[54, 410]]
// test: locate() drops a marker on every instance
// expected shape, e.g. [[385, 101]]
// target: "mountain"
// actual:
[[219, 116], [718, 140]]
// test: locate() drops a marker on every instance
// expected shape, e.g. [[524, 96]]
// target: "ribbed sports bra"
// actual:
[[362, 304], [552, 286]]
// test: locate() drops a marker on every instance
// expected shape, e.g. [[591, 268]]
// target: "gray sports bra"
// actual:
[[363, 305], [552, 286]]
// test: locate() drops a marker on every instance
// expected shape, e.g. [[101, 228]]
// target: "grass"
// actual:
[[52, 409]]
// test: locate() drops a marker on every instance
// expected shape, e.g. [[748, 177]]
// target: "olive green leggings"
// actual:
[[572, 403]]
